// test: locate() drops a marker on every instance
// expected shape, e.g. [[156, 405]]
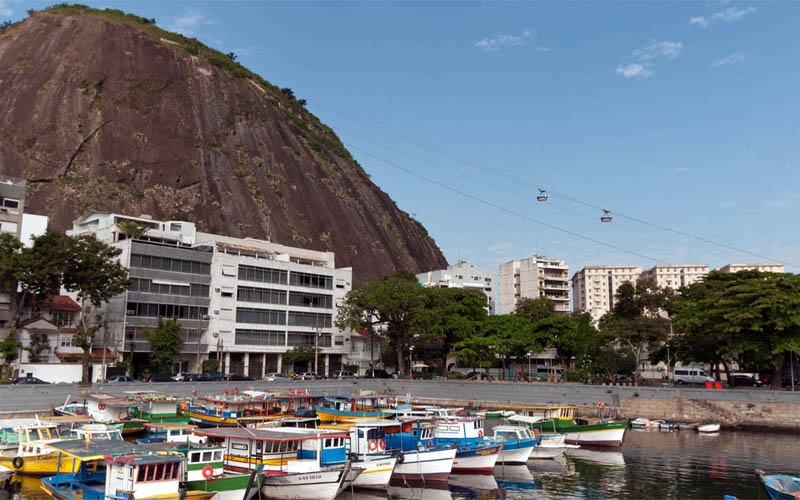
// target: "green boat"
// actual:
[[549, 419]]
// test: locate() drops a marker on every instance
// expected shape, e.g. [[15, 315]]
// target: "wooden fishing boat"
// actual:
[[518, 443], [708, 428], [779, 486], [309, 464], [229, 409], [103, 408], [475, 453], [107, 470], [562, 419], [335, 409]]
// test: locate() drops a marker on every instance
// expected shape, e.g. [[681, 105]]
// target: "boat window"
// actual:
[[194, 457], [206, 456], [158, 475], [151, 473], [140, 473], [217, 456], [169, 470]]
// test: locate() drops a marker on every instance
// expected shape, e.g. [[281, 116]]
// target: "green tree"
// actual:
[[536, 309], [500, 338], [394, 302], [299, 354], [166, 344], [94, 274], [635, 322], [37, 347], [450, 315], [9, 349]]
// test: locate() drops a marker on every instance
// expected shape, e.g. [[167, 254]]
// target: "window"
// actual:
[[310, 300], [262, 295], [311, 280], [66, 341], [263, 274], [10, 203], [260, 337], [315, 320], [165, 310], [169, 264], [261, 316]]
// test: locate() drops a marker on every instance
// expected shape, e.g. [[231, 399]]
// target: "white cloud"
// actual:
[[503, 40], [5, 10], [644, 66], [731, 14], [656, 49], [189, 22], [635, 70], [735, 58]]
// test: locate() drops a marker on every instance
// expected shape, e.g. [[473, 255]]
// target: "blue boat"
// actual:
[[518, 444], [780, 486]]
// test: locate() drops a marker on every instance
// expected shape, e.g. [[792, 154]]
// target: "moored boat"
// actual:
[[103, 408], [562, 419], [351, 409], [708, 428], [476, 454], [779, 486], [33, 455], [229, 409], [518, 443]]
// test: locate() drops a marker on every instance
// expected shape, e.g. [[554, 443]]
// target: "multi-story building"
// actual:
[[533, 278], [245, 302], [674, 276], [594, 287], [764, 268], [462, 275], [12, 206]]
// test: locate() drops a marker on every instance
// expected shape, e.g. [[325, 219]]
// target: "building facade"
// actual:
[[462, 275], [594, 288], [244, 302], [531, 279], [674, 276], [764, 268]]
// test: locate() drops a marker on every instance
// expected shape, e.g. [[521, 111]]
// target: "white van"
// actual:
[[690, 376]]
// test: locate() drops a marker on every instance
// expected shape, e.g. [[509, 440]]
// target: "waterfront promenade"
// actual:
[[741, 407]]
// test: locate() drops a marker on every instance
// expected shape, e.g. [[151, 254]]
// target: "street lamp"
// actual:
[[410, 359], [529, 354]]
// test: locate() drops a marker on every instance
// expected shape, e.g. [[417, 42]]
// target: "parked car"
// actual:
[[120, 379], [376, 373], [787, 382], [237, 377], [306, 376], [181, 376], [28, 380], [158, 377], [342, 374], [744, 381], [276, 377], [198, 377]]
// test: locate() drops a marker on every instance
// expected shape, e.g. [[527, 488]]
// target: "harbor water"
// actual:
[[650, 465]]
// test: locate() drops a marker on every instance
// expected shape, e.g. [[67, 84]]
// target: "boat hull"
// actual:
[[228, 487], [596, 435], [778, 486], [323, 484], [40, 465], [376, 474], [477, 461], [425, 465], [514, 456], [330, 415]]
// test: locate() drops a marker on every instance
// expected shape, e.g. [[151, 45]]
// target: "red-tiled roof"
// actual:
[[61, 303]]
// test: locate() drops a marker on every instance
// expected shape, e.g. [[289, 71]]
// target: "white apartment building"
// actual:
[[533, 278], [242, 301], [594, 287], [462, 275], [764, 268], [674, 276]]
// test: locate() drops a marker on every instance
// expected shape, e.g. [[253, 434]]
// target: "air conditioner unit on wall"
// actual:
[[206, 317]]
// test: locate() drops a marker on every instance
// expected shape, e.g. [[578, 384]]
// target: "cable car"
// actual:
[[542, 195], [606, 217]]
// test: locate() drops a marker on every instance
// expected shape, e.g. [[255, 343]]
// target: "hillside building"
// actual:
[[242, 301], [533, 278], [764, 268], [462, 275], [594, 288], [674, 276]]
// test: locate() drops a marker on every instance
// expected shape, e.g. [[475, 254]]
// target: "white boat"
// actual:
[[518, 443], [476, 454], [708, 428], [314, 463], [368, 452], [551, 446]]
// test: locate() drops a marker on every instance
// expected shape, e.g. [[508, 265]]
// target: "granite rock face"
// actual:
[[104, 111]]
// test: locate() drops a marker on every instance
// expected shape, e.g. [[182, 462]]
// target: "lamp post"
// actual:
[[528, 354], [316, 351], [410, 361]]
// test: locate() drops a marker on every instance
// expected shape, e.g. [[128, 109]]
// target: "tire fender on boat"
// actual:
[[18, 462]]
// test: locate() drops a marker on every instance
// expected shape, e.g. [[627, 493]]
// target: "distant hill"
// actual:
[[104, 111]]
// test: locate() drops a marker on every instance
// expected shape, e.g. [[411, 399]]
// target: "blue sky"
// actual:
[[681, 118]]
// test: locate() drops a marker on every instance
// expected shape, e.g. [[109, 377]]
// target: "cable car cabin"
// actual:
[[606, 217], [542, 195]]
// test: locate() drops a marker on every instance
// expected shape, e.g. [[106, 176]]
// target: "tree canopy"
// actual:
[[165, 344]]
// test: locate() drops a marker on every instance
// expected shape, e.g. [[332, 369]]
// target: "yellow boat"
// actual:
[[33, 456]]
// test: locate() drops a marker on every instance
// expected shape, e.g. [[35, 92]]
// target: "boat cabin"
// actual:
[[142, 476], [174, 432]]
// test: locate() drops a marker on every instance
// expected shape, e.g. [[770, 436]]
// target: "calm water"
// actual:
[[650, 465]]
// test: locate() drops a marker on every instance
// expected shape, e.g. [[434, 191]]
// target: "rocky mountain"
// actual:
[[104, 111]]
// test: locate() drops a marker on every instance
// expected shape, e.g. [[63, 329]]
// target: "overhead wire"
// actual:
[[517, 180], [501, 208]]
